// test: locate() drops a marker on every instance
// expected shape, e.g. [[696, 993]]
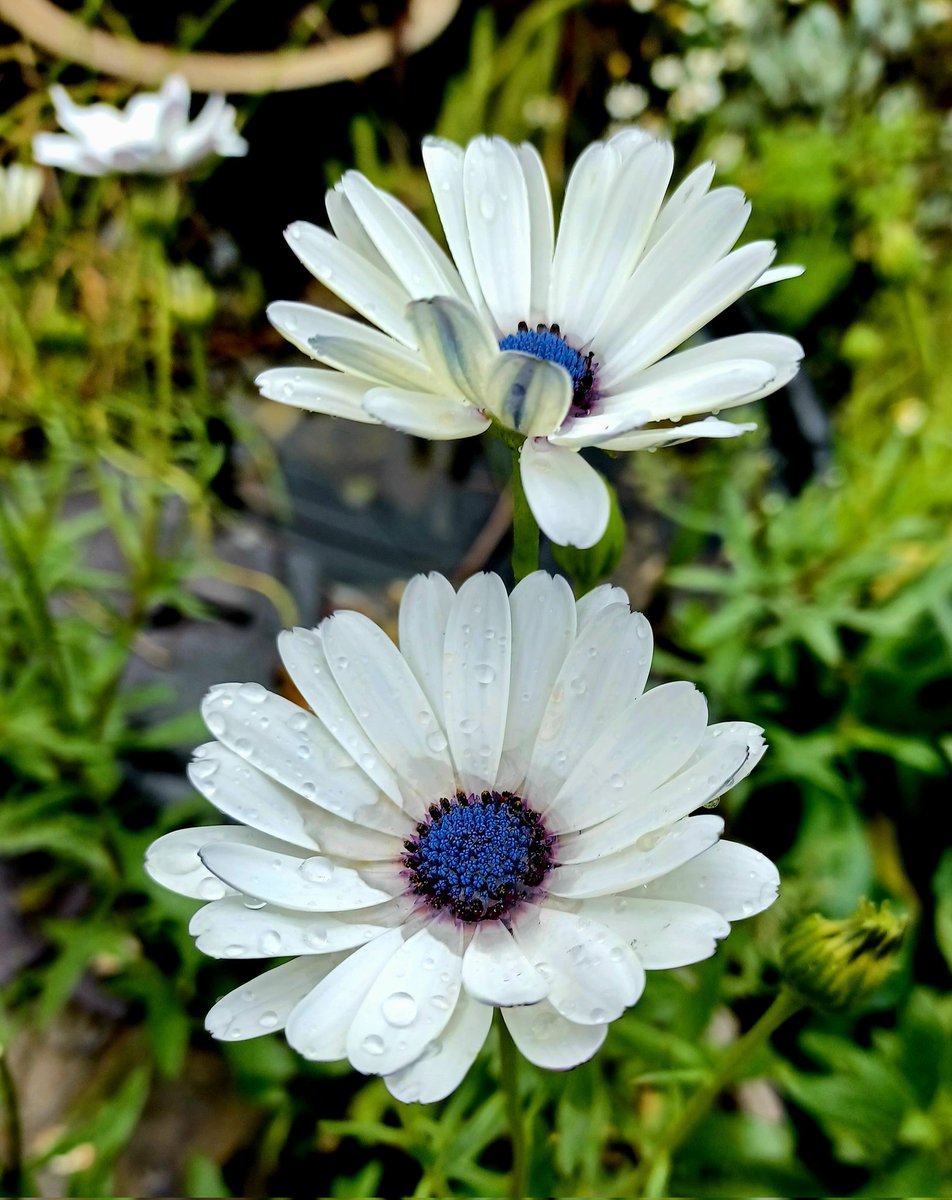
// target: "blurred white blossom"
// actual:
[[20, 188]]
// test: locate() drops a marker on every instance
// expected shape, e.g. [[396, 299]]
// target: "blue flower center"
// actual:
[[478, 855], [547, 342]]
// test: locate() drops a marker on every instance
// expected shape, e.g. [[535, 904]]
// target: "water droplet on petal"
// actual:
[[211, 889], [216, 724], [254, 693], [436, 741], [316, 870], [268, 1019], [372, 1044], [271, 943], [484, 673], [399, 1009]]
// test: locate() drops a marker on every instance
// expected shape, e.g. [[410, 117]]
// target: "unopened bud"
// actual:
[[191, 296], [838, 965]]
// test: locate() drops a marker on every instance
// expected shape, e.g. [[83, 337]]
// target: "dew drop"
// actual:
[[242, 745], [440, 1002], [316, 870], [304, 751], [316, 937], [254, 693], [298, 722], [399, 1009], [484, 673], [216, 724], [578, 686], [211, 889], [487, 207], [436, 741], [468, 724], [234, 951], [599, 1015], [204, 768], [268, 1019], [252, 903], [616, 954], [617, 781], [372, 1044], [271, 943]]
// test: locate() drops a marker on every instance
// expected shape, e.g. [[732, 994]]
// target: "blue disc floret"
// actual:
[[548, 342], [478, 855]]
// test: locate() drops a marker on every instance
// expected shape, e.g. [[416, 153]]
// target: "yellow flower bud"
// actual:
[[838, 965]]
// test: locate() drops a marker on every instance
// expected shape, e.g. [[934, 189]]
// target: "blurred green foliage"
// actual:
[[823, 612]]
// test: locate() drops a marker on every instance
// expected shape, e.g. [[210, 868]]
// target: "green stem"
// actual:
[[509, 1072], [525, 529], [652, 1173], [44, 627], [11, 1177]]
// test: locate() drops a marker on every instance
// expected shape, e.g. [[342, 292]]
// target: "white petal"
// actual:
[[443, 161], [388, 702], [547, 1039], [782, 353], [263, 1005], [744, 731], [302, 652], [542, 226], [438, 418], [476, 656], [594, 975], [317, 1026], [710, 427], [229, 928], [698, 389], [663, 933], [410, 1002], [61, 150], [692, 246], [650, 858], [543, 631], [412, 255], [683, 200], [702, 780], [349, 230], [528, 394], [457, 344], [730, 878], [301, 883], [350, 346], [293, 747], [598, 598], [172, 860], [686, 312], [374, 294], [445, 1061], [495, 970], [642, 745], [246, 795], [318, 391], [603, 673], [621, 227], [590, 182], [778, 274], [497, 219], [567, 496], [424, 610]]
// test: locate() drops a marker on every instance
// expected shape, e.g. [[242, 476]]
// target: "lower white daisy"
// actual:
[[562, 335], [495, 815]]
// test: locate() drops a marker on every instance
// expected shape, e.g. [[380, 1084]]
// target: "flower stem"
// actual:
[[525, 529], [652, 1172], [509, 1060], [11, 1177]]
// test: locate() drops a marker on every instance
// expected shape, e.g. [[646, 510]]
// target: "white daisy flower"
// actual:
[[494, 815], [20, 188], [152, 135], [560, 339]]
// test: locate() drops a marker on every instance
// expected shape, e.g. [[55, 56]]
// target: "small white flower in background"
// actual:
[[625, 100], [20, 188], [152, 135], [561, 339], [496, 814]]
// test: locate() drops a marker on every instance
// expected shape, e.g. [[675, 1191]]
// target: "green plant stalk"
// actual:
[[651, 1177], [525, 529], [44, 626], [509, 1074], [11, 1177]]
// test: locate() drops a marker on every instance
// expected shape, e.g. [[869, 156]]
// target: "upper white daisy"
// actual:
[[20, 188], [562, 338], [152, 135], [496, 814]]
